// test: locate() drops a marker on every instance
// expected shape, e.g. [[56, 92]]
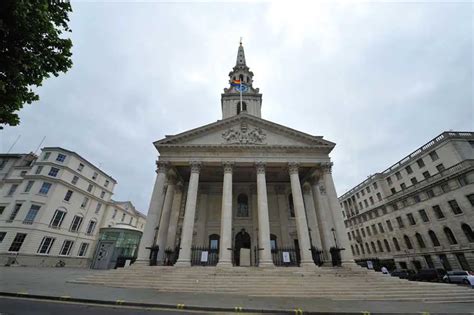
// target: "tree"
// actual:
[[32, 47]]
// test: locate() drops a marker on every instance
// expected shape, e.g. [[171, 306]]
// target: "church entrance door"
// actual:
[[242, 249]]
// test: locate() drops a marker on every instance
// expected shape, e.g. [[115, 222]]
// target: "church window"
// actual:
[[241, 107], [242, 206], [241, 77], [273, 242], [291, 205], [214, 243]]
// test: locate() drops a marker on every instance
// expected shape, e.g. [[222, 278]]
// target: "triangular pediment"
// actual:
[[244, 130]]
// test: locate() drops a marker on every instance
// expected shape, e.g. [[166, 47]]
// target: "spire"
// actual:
[[240, 55]]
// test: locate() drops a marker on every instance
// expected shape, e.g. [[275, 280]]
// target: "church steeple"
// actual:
[[241, 81]]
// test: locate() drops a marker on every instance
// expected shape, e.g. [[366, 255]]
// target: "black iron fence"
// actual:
[[203, 256], [285, 256]]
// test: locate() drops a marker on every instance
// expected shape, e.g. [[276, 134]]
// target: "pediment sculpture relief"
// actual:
[[244, 135]]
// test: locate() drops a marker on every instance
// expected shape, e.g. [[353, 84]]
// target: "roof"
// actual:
[[79, 156]]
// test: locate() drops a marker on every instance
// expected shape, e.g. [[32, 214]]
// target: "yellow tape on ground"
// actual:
[[180, 306], [365, 313], [298, 311], [119, 302], [238, 308]]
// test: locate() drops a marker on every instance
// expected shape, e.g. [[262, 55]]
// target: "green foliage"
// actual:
[[31, 49]]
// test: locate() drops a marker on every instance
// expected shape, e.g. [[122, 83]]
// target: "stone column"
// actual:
[[165, 219], [300, 216], [342, 239], [323, 213], [283, 214], [184, 259], [153, 216], [225, 254], [265, 254], [313, 223], [174, 217], [202, 232]]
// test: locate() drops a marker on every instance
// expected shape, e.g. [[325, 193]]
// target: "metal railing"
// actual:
[[203, 256], [285, 256]]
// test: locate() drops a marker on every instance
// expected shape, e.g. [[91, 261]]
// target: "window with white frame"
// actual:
[[68, 195], [31, 215], [76, 223], [44, 188], [106, 183], [61, 157], [80, 167], [29, 185], [91, 227], [45, 245], [16, 208], [74, 180], [102, 194], [12, 189], [53, 171], [84, 202], [17, 242], [58, 218], [66, 248], [97, 208], [83, 249], [89, 188], [39, 169], [46, 156], [434, 156]]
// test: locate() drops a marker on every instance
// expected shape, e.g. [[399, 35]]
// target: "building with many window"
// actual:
[[418, 213], [52, 207]]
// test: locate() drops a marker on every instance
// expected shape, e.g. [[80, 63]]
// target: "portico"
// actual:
[[247, 190]]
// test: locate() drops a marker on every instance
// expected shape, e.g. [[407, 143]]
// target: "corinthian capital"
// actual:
[[293, 168], [326, 168], [161, 167], [228, 166], [260, 167], [195, 166]]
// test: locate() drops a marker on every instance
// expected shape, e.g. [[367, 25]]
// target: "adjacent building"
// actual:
[[418, 213], [52, 207]]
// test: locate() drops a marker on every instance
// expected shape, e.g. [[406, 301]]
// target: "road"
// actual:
[[14, 306]]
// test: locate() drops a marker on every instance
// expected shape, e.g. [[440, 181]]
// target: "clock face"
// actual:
[[242, 88]]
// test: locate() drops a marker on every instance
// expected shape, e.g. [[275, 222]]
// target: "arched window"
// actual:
[[352, 249], [387, 246], [357, 249], [367, 247], [214, 243], [450, 236], [373, 247], [241, 77], [248, 79], [420, 241], [379, 245], [362, 249], [468, 232], [395, 243], [273, 242], [407, 242], [291, 205], [434, 238], [242, 206]]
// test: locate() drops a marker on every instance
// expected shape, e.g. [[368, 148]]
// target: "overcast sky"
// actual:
[[378, 79]]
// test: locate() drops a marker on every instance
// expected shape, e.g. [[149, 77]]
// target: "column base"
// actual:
[[266, 264], [141, 262], [224, 265], [183, 263], [308, 265]]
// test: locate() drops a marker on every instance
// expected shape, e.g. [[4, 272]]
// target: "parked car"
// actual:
[[403, 273], [429, 275], [459, 276]]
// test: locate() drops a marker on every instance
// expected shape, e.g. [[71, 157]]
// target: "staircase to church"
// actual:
[[332, 283]]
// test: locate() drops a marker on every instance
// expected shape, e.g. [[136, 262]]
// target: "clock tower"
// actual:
[[231, 98]]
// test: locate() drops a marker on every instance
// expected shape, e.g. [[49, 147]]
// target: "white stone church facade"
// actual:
[[244, 186]]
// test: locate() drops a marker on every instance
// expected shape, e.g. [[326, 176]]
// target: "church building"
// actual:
[[244, 191]]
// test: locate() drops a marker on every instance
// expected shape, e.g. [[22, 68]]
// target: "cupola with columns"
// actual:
[[231, 98]]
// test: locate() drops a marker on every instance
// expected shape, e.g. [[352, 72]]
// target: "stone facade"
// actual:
[[52, 207], [420, 211], [247, 177]]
